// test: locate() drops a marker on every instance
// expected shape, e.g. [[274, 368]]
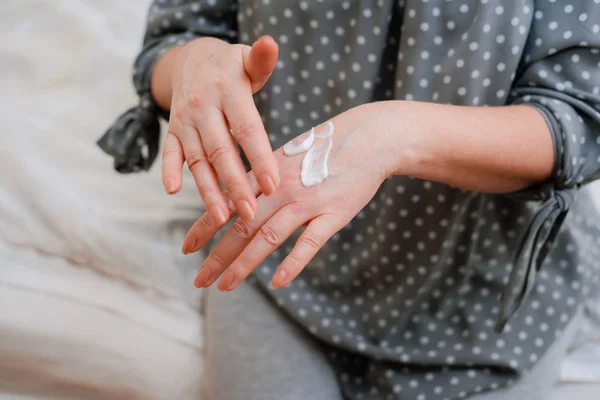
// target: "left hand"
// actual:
[[360, 159]]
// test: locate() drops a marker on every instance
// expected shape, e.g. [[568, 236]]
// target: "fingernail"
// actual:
[[270, 186], [189, 244], [227, 281], [245, 210], [170, 185], [278, 280], [203, 277], [220, 215]]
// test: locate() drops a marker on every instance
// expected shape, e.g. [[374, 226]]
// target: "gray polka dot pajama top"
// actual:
[[430, 292]]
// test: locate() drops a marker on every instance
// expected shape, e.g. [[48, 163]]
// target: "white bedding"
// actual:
[[68, 64], [69, 333], [95, 297]]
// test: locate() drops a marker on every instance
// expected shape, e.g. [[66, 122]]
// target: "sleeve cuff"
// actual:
[[133, 140], [556, 197], [542, 191]]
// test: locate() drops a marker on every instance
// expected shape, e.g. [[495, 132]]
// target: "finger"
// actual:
[[206, 227], [225, 159], [260, 61], [204, 175], [318, 231], [268, 238], [233, 242], [172, 163], [249, 131]]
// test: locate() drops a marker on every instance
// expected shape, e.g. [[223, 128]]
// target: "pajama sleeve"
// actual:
[[133, 140], [560, 77]]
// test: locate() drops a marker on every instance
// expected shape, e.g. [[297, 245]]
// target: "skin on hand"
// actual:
[[208, 85], [324, 209], [471, 148]]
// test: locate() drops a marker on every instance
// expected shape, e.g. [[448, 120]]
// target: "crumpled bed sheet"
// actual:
[[96, 300]]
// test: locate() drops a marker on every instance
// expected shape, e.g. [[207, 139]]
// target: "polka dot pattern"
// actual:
[[405, 297]]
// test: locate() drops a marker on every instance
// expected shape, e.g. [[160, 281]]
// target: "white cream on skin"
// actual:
[[327, 132], [297, 146], [314, 164]]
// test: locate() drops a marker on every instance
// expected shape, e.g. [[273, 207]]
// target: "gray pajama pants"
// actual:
[[255, 353]]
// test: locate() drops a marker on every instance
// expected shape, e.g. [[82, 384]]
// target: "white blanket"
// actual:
[[95, 296], [66, 73]]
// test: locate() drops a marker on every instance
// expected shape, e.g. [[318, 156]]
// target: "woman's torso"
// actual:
[[412, 283]]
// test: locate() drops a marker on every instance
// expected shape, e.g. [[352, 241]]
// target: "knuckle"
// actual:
[[170, 152], [217, 259], [296, 209], [260, 162], [295, 198], [311, 241], [180, 114], [195, 159], [220, 82], [293, 262], [236, 190], [289, 178], [241, 229], [205, 222], [269, 235], [217, 152], [194, 100], [245, 130]]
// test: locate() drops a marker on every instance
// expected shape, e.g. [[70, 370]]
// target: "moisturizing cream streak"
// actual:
[[296, 146], [327, 133], [314, 164]]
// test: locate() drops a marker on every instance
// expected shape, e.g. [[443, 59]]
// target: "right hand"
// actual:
[[212, 87]]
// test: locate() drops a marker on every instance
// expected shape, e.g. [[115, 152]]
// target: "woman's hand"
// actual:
[[472, 148], [212, 83], [358, 164]]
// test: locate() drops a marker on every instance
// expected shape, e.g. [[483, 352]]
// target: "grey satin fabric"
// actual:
[[406, 297]]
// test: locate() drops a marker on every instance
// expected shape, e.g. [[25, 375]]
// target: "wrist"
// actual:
[[404, 135], [162, 82], [487, 149]]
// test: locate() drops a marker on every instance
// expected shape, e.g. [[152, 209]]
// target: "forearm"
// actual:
[[486, 149]]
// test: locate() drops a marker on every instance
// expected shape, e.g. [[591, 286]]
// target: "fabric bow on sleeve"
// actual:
[[535, 244], [133, 140]]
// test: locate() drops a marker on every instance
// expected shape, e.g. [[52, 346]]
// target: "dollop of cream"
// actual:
[[298, 145], [317, 147], [314, 164], [327, 132]]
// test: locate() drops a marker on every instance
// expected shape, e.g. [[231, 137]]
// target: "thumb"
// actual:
[[260, 61]]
